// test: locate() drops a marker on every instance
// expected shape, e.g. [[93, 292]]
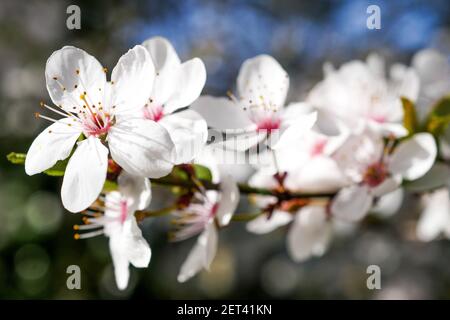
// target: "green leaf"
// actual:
[[110, 186], [409, 116], [439, 117], [179, 173], [56, 171], [16, 158], [202, 172]]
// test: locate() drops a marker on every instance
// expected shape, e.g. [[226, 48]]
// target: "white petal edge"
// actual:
[[188, 131], [142, 147], [54, 143], [201, 254], [70, 72], [414, 157], [229, 200], [132, 81], [352, 203], [263, 224], [135, 188], [309, 234], [189, 83], [85, 175], [221, 113]]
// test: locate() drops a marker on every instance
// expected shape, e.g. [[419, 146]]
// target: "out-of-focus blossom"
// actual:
[[433, 69], [116, 220], [358, 93], [101, 111], [257, 111], [376, 171], [435, 218], [203, 216], [308, 167], [308, 235], [176, 85]]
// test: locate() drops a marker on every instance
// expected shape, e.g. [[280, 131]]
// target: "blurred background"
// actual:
[[36, 236]]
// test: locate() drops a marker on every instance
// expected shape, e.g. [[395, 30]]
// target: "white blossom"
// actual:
[[102, 112]]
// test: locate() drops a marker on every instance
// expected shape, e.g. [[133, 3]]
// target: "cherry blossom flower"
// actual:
[[309, 233], [359, 92], [433, 70], [176, 86], [115, 219], [209, 211], [309, 168], [102, 112], [262, 86], [376, 171]]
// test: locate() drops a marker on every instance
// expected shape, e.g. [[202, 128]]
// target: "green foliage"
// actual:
[[56, 171], [409, 116], [16, 158], [202, 172], [439, 117]]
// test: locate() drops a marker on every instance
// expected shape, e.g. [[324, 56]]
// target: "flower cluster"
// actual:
[[354, 143]]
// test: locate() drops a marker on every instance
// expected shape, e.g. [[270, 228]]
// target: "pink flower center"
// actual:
[[153, 112], [378, 118], [318, 147], [123, 211], [213, 211], [268, 124], [375, 174], [97, 125]]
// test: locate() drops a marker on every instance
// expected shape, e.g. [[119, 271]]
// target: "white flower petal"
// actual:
[[435, 217], [201, 254], [319, 175], [85, 175], [118, 247], [69, 73], [295, 131], [309, 234], [221, 113], [414, 157], [163, 53], [188, 131], [262, 77], [135, 188], [167, 65], [138, 250], [142, 147], [242, 141], [406, 81], [352, 203], [53, 144], [263, 224], [189, 83], [434, 71], [132, 81], [389, 204], [229, 200], [387, 129], [388, 185]]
